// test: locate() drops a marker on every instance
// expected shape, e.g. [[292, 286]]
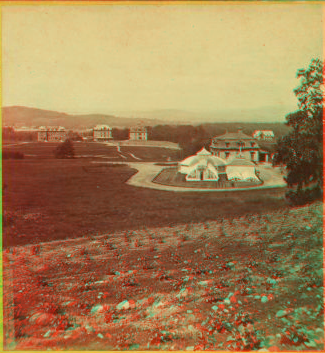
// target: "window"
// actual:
[[253, 144], [227, 144], [227, 154], [252, 156]]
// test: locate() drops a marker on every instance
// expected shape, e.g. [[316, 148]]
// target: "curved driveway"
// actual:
[[147, 171]]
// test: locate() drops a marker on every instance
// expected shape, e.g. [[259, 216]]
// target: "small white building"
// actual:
[[202, 166], [138, 133], [102, 133], [264, 135], [241, 169]]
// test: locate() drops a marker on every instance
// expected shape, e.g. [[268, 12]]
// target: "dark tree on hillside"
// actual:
[[65, 150], [302, 149], [120, 134]]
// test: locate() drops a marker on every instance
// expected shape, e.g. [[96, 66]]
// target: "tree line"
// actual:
[[301, 150]]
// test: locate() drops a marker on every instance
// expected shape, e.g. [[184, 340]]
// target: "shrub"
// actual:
[[65, 150], [304, 196], [12, 155]]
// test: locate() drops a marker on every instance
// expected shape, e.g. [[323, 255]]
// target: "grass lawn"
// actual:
[[52, 199], [247, 283], [152, 154], [93, 150]]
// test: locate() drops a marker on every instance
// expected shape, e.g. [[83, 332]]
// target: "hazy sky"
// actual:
[[109, 58]]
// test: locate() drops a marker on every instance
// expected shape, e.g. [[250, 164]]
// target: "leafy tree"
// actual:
[[301, 150], [120, 134], [65, 150], [74, 136]]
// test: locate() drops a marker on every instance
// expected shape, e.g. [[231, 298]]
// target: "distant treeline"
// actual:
[[9, 134], [192, 138]]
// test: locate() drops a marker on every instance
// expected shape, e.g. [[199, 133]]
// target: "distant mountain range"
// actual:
[[267, 114], [25, 116]]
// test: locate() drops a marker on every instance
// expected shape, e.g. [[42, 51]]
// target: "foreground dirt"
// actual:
[[252, 283]]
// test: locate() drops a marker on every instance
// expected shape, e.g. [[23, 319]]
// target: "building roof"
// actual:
[[268, 133], [138, 129], [203, 152], [51, 128], [232, 140], [203, 157], [102, 127], [239, 135]]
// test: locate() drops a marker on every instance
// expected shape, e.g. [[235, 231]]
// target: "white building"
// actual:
[[202, 166], [241, 169], [102, 133], [138, 133], [264, 135]]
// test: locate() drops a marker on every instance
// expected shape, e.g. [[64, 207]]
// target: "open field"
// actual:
[[53, 199], [249, 283], [99, 151], [147, 143]]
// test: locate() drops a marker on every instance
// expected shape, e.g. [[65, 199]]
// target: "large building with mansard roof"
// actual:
[[102, 133], [51, 134], [231, 144], [138, 133]]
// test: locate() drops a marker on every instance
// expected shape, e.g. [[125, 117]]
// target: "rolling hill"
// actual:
[[25, 116]]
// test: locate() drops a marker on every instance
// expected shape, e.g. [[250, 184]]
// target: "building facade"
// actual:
[[138, 133], [102, 133], [52, 134], [264, 135], [231, 144]]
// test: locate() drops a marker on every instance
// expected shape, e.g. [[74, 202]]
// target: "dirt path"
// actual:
[[147, 143], [15, 144]]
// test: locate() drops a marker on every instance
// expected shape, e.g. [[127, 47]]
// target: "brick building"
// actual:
[[232, 143], [51, 134], [138, 133], [102, 133]]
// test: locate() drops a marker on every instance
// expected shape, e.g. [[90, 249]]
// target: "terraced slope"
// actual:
[[252, 283]]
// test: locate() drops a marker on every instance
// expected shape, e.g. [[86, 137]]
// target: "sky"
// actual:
[[127, 58]]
